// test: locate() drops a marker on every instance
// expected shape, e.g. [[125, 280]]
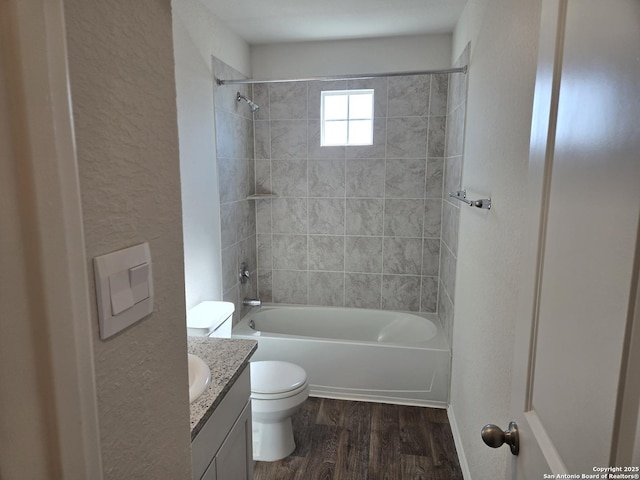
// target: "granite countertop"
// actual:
[[226, 358]]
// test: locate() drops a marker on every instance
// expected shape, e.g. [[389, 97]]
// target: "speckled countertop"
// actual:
[[226, 358]]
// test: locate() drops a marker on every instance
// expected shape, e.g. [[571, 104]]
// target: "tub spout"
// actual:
[[252, 302]]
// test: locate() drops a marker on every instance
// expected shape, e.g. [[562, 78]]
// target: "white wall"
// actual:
[[504, 38], [25, 421], [341, 57], [198, 35], [123, 94]]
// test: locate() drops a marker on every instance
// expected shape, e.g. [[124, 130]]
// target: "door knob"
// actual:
[[494, 437]]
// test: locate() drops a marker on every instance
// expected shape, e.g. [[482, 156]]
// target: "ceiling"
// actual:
[[274, 21]]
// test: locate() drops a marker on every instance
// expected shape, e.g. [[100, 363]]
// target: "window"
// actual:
[[347, 117]]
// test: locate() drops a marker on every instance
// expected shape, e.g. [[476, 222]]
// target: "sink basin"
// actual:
[[199, 377]]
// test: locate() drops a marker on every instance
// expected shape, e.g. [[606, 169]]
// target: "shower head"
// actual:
[[254, 106]]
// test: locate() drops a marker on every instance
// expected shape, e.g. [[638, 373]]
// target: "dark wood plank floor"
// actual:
[[344, 440]]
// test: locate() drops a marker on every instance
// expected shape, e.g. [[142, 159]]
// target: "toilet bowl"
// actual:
[[278, 389]]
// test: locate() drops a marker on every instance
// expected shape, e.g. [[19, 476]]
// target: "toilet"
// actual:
[[278, 389]]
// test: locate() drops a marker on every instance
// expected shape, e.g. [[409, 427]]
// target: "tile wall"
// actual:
[[456, 114], [234, 149], [351, 226]]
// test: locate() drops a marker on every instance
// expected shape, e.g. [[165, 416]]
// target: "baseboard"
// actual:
[[464, 466]]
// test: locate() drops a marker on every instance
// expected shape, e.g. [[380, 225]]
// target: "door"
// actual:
[[579, 278]]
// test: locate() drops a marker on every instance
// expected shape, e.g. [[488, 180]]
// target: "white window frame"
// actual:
[[347, 93]]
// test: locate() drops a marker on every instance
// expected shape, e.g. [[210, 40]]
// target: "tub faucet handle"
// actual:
[[244, 273]]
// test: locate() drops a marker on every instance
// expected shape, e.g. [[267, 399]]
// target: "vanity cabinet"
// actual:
[[222, 450]]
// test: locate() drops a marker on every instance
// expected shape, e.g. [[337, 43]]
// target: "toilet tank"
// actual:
[[210, 319]]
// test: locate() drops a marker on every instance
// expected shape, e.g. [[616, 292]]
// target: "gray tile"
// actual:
[[262, 139], [378, 148], [326, 178], [431, 257], [401, 292], [326, 216], [326, 288], [407, 137], [289, 178], [364, 216], [229, 257], [316, 150], [246, 219], [224, 134], [452, 175], [326, 253], [435, 173], [263, 216], [409, 96], [228, 228], [432, 217], [362, 290], [288, 101], [402, 256], [405, 178], [288, 139], [437, 131], [403, 218], [363, 254], [289, 215], [244, 138], [429, 295], [263, 176], [260, 95], [247, 253], [455, 132], [445, 313], [365, 178], [448, 268], [290, 252], [265, 285], [265, 252], [438, 94], [450, 216], [290, 287], [228, 182]]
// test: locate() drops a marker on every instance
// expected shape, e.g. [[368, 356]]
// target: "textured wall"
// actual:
[[352, 226], [234, 146], [123, 93], [310, 59], [454, 160], [504, 39]]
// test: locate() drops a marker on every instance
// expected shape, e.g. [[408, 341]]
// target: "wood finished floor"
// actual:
[[344, 440]]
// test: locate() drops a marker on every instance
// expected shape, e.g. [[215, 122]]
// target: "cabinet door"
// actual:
[[234, 460]]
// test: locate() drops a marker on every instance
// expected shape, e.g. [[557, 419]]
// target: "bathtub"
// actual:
[[356, 354]]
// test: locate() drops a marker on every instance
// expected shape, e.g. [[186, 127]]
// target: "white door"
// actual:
[[579, 291]]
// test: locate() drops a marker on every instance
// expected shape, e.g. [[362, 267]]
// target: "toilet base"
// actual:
[[272, 441]]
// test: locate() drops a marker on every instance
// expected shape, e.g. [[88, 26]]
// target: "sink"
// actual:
[[199, 377]]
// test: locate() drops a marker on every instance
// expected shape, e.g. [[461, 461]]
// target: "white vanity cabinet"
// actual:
[[222, 450]]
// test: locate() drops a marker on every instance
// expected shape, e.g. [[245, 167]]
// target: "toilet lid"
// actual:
[[273, 377]]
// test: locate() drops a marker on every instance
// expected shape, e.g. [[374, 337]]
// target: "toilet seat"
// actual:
[[271, 380]]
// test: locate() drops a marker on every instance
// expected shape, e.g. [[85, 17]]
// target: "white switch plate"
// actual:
[[124, 284]]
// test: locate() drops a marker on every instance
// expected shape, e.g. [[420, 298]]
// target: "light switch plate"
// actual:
[[123, 280]]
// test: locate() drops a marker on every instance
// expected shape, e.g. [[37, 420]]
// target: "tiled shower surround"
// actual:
[[234, 149], [351, 226], [456, 114]]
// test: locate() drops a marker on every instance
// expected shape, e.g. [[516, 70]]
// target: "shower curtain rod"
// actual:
[[344, 77]]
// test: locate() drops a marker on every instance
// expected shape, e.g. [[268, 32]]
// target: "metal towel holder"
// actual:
[[462, 196]]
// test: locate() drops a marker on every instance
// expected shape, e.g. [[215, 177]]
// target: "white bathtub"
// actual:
[[356, 354]]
